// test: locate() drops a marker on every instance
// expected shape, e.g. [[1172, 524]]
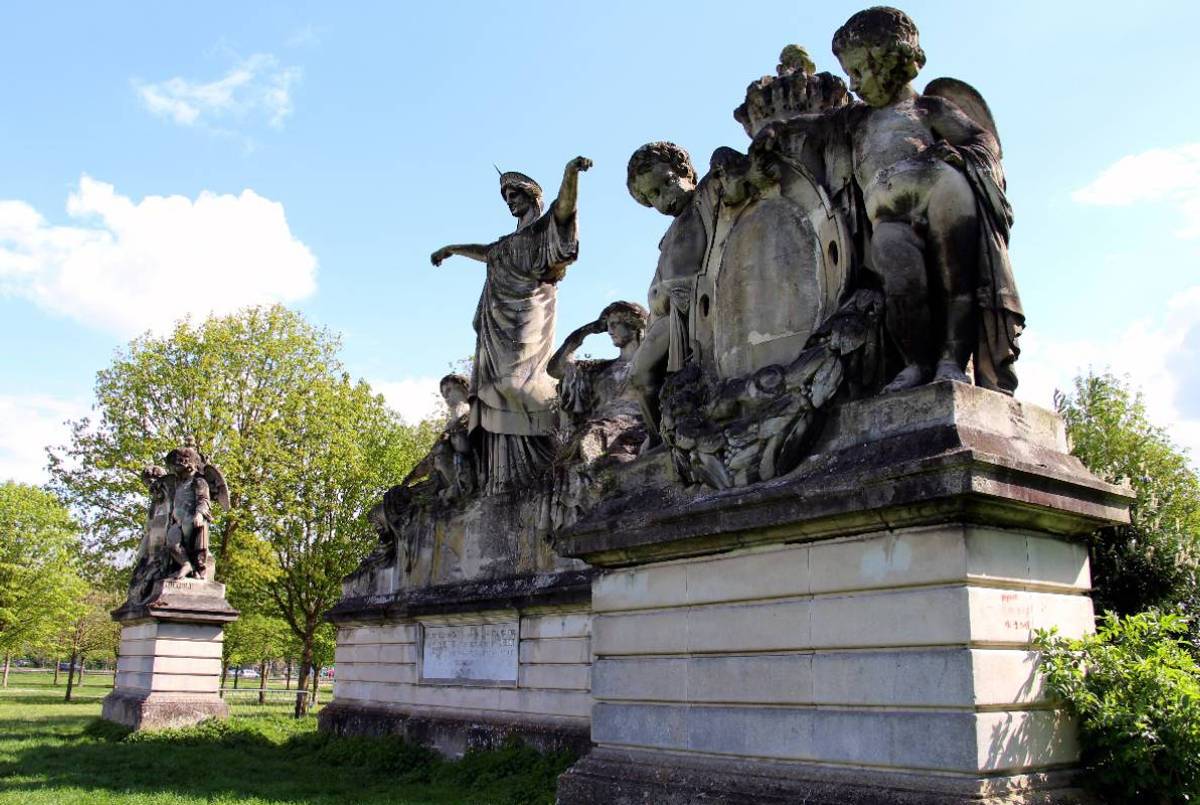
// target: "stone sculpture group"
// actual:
[[855, 248], [791, 544]]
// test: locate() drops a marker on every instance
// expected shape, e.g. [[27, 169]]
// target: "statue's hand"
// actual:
[[579, 164], [596, 327], [198, 520], [945, 152], [767, 140], [441, 254]]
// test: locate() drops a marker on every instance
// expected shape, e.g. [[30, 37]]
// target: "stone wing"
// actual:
[[966, 98], [216, 484]]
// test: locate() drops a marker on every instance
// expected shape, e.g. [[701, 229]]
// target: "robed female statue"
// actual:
[[512, 396]]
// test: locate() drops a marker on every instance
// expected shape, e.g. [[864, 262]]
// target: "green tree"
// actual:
[[1152, 561], [341, 449], [224, 381], [40, 583], [89, 633], [255, 638], [305, 450]]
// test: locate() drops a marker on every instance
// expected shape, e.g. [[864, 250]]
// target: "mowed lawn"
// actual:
[[55, 752]]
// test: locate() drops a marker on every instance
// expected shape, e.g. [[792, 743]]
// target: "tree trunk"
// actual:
[[81, 662], [224, 675], [262, 682], [57, 662], [7, 663], [306, 658], [316, 684], [71, 675], [287, 675]]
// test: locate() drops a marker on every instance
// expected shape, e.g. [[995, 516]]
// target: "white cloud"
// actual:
[[27, 425], [1170, 175], [127, 266], [1160, 357], [257, 86], [414, 398]]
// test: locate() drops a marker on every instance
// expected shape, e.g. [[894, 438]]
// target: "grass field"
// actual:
[[55, 752]]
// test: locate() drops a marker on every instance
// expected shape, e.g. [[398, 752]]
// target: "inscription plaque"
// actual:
[[473, 653]]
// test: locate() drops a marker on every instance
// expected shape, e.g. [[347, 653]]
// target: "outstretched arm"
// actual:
[[476, 251], [564, 205], [557, 367]]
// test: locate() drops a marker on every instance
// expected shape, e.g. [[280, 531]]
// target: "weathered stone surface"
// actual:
[[186, 601], [610, 776], [514, 591], [151, 710], [929, 677], [940, 453], [453, 734]]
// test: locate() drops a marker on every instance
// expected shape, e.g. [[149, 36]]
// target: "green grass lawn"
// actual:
[[57, 752]]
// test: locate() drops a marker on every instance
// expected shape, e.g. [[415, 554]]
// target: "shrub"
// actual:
[[1135, 689]]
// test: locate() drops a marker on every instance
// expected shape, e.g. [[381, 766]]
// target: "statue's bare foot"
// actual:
[[183, 572], [909, 377], [950, 370]]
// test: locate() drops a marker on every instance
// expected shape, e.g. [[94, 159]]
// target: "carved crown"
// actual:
[[794, 90]]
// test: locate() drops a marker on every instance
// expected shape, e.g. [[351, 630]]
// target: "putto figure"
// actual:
[[660, 175], [511, 395], [195, 485], [175, 542], [930, 174]]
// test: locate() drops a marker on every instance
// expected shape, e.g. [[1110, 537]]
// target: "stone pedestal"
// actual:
[[466, 666], [856, 632], [169, 668]]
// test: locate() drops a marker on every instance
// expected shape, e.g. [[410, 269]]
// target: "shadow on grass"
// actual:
[[276, 759]]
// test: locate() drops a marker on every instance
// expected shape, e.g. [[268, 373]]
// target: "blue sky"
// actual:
[[165, 159]]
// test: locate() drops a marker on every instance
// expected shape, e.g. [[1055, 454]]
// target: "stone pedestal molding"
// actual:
[[857, 632], [169, 668]]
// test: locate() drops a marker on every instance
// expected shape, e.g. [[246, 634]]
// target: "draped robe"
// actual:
[[512, 395]]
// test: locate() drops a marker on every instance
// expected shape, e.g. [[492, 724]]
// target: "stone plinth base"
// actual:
[[631, 777], [169, 665], [390, 681], [859, 632], [161, 710], [453, 736]]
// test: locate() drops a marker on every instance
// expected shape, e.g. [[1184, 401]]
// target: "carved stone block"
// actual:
[[169, 666]]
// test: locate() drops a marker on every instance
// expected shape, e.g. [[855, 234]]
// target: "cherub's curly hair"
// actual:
[[650, 155], [881, 26]]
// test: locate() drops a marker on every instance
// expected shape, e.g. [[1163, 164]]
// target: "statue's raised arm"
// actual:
[[568, 192]]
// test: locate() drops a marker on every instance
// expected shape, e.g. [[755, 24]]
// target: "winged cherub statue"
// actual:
[[928, 166], [194, 485]]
